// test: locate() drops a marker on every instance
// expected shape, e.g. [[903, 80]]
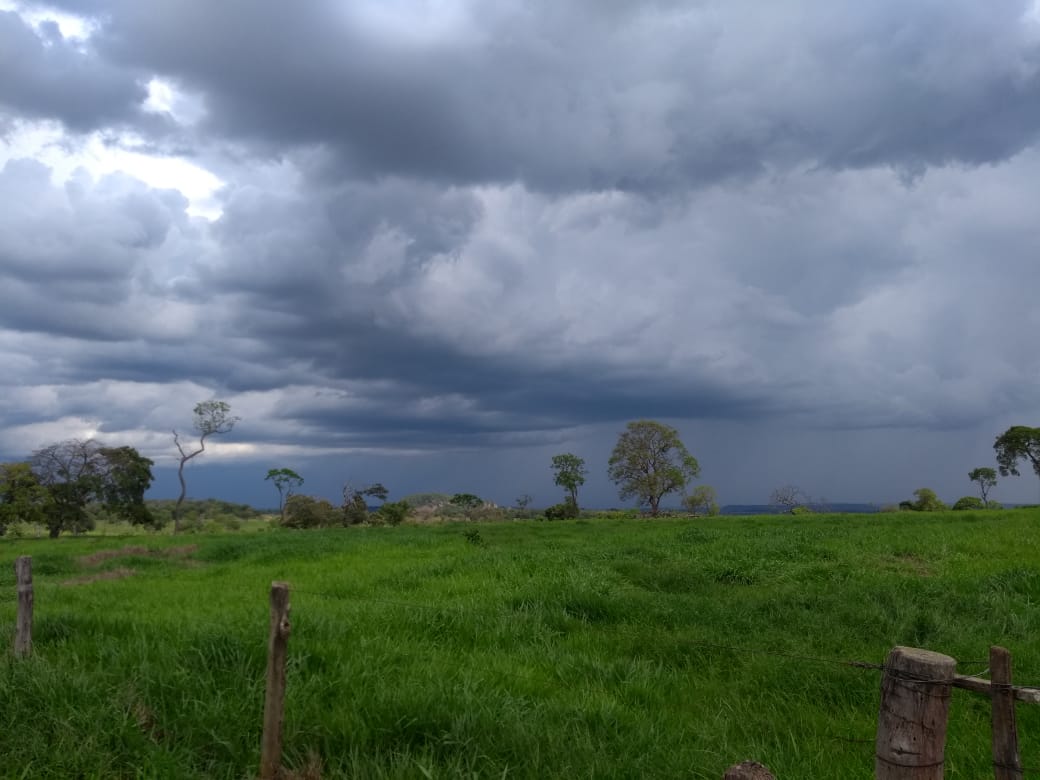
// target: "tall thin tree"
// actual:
[[210, 419], [285, 481]]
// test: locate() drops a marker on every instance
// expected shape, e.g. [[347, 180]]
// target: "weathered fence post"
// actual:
[[1006, 762], [23, 624], [274, 700], [915, 705]]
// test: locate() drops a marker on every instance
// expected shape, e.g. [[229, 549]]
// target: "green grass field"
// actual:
[[595, 649]]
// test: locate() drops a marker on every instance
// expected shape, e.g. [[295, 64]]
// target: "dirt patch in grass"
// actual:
[[180, 552], [96, 559], [113, 574], [912, 563]]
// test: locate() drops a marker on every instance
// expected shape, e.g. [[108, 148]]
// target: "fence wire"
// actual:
[[251, 594]]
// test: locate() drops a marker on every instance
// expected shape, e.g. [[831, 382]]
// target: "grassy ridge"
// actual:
[[577, 649]]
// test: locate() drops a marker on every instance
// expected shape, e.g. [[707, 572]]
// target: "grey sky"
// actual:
[[451, 239]]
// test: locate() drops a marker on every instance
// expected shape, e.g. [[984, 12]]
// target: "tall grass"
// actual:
[[576, 649]]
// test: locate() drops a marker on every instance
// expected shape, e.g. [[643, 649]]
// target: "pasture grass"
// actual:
[[587, 648]]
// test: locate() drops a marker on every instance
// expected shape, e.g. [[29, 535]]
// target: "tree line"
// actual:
[[1017, 444], [648, 463], [55, 486], [59, 482]]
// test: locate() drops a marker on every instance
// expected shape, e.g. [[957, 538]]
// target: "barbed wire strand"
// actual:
[[359, 600]]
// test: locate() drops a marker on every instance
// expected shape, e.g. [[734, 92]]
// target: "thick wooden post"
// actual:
[[915, 704], [274, 701], [23, 624], [1006, 763]]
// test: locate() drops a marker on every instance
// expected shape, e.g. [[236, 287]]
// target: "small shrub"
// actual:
[[473, 537], [25, 531], [968, 502], [802, 510], [489, 513], [702, 501], [309, 512], [568, 510], [467, 501], [392, 512], [228, 522], [191, 523], [926, 501]]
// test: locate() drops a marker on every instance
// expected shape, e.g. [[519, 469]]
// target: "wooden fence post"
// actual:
[[23, 624], [915, 705], [274, 699], [1006, 762]]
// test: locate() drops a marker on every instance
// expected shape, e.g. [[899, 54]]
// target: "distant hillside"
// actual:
[[419, 500], [768, 509]]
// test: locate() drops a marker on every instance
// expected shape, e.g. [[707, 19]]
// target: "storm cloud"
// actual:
[[473, 234]]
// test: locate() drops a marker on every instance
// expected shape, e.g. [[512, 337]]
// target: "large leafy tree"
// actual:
[[1018, 442], [76, 472], [569, 472], [210, 418], [22, 497], [126, 477], [649, 462], [71, 471], [285, 481], [987, 479]]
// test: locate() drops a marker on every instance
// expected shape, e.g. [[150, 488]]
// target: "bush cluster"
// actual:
[[308, 512], [568, 510]]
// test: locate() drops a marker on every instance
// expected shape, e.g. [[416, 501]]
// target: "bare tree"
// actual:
[[788, 497], [210, 419]]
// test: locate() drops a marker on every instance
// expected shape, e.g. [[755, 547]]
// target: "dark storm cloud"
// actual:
[[519, 313], [497, 226], [591, 96], [73, 259], [301, 291], [43, 75]]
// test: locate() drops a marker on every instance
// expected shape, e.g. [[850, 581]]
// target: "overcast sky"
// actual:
[[435, 242]]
